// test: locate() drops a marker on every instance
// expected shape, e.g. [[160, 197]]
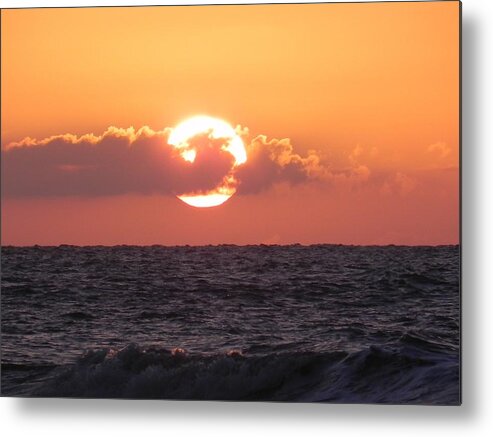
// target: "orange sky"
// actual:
[[370, 90]]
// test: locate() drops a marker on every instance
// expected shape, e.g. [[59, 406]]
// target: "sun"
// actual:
[[215, 128]]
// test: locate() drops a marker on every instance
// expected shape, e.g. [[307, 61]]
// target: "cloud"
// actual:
[[440, 149], [398, 183], [117, 162], [273, 161], [141, 161]]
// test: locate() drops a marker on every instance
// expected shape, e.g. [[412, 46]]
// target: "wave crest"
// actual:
[[371, 375]]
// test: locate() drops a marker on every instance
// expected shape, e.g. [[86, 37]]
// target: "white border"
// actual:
[[68, 3]]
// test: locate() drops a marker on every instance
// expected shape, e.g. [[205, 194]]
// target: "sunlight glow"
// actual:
[[216, 129], [206, 200]]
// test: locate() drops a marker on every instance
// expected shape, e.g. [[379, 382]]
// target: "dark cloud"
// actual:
[[128, 161], [120, 161], [273, 161]]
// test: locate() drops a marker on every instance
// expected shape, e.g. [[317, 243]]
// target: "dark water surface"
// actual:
[[298, 323]]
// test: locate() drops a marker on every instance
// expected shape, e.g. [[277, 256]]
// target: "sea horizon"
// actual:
[[2, 246]]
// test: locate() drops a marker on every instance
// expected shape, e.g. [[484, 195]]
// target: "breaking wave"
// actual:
[[377, 375], [320, 323]]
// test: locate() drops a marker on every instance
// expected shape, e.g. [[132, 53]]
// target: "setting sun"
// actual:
[[213, 129]]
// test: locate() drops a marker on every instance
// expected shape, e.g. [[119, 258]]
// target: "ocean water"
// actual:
[[322, 323]]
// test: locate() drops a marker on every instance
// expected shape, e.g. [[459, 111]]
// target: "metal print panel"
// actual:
[[243, 202]]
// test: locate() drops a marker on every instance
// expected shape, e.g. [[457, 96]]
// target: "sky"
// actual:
[[349, 114]]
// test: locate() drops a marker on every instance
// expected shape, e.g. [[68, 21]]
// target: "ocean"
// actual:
[[321, 323]]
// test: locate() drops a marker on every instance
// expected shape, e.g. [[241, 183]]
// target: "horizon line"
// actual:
[[223, 244]]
